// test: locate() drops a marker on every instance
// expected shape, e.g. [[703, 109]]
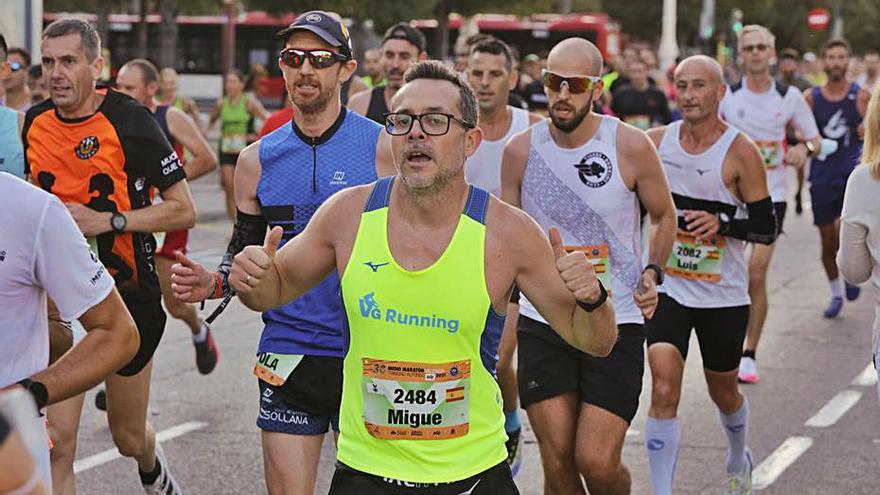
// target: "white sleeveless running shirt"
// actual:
[[714, 274], [483, 168], [763, 117], [580, 191]]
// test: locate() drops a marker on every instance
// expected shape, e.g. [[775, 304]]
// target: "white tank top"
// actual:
[[483, 168], [709, 275], [580, 191]]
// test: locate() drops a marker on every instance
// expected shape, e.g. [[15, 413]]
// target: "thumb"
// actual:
[[273, 237], [556, 242], [183, 260]]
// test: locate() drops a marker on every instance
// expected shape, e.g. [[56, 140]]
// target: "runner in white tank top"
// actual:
[[585, 174], [720, 189], [761, 108], [491, 75]]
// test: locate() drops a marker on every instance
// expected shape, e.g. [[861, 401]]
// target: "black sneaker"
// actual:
[[514, 450], [101, 400], [798, 205], [207, 353]]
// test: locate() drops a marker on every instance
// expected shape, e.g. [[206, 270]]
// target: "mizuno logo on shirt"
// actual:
[[375, 266], [703, 171]]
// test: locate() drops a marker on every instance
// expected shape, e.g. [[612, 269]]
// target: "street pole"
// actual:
[[837, 30], [668, 43], [229, 8]]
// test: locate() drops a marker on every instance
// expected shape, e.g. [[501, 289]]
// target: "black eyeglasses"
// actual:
[[576, 84], [750, 48], [320, 59], [432, 124], [15, 66]]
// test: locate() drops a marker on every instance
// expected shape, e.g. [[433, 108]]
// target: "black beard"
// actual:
[[315, 106], [567, 126]]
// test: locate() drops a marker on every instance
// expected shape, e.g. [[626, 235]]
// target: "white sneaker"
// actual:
[[740, 482], [748, 370], [164, 484]]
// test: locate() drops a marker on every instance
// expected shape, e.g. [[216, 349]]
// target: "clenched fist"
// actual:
[[576, 271], [250, 266]]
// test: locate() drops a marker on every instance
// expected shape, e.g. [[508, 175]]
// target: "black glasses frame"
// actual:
[[761, 47], [418, 116], [317, 63]]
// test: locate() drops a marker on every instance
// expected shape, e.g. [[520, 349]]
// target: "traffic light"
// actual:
[[736, 18]]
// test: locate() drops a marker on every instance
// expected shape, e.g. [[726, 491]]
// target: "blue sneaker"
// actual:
[[514, 451], [852, 292], [834, 308]]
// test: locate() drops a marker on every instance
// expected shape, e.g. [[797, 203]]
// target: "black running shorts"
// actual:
[[149, 318], [307, 403], [548, 367], [493, 481], [720, 331]]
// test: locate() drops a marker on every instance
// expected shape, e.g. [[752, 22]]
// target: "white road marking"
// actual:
[[834, 409], [867, 378], [776, 463], [113, 454]]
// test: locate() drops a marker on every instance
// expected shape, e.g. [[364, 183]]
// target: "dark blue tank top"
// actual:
[[299, 174], [838, 120]]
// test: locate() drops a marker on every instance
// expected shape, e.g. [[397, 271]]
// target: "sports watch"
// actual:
[[658, 270], [590, 307], [118, 222], [37, 390]]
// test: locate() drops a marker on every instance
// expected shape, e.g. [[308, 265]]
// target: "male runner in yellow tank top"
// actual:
[[429, 266]]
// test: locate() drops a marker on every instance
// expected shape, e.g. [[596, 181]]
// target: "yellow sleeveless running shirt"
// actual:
[[420, 402]]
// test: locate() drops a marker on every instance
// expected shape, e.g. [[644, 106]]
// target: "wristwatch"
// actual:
[[658, 270], [590, 307], [723, 223], [118, 222], [37, 390], [811, 148]]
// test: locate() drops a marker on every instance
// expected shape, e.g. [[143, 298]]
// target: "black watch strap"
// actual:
[[603, 296], [37, 390], [658, 270]]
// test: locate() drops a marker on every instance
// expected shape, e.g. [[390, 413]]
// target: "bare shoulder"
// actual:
[[632, 140], [656, 134], [534, 117], [359, 102], [518, 145], [744, 150], [511, 227], [249, 160]]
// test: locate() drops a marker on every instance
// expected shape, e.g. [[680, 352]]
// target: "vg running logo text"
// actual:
[[370, 308]]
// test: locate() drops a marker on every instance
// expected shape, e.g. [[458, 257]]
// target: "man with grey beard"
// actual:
[[281, 180]]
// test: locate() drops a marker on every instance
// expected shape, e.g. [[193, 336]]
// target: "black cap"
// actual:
[[325, 26], [403, 31]]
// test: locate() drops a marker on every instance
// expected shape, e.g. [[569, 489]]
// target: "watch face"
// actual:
[[724, 217], [117, 222]]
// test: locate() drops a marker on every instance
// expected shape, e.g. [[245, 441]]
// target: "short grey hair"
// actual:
[[91, 42], [757, 28], [434, 69]]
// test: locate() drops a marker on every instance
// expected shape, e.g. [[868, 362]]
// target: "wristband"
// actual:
[[658, 270], [37, 390], [590, 307]]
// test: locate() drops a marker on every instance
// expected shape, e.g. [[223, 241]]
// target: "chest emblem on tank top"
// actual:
[[836, 127], [594, 169], [87, 148]]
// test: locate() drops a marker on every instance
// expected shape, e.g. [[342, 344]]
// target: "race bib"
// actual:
[[233, 143], [274, 369], [771, 152], [599, 255], [416, 401], [694, 260]]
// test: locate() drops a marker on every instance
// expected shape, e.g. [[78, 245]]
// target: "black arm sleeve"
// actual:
[[759, 228], [249, 230]]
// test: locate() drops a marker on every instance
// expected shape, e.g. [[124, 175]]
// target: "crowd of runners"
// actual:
[[521, 228]]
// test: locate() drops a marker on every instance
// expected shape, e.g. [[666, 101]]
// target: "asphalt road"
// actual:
[[813, 429]]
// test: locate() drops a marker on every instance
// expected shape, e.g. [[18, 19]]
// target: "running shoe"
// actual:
[[798, 205], [514, 450], [164, 484], [834, 308], [748, 370], [740, 482], [852, 292], [207, 353], [101, 400]]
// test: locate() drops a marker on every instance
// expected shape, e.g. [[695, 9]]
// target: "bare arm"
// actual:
[[187, 133], [751, 175], [384, 161], [256, 108], [554, 282], [359, 103], [190, 108], [17, 469], [112, 341], [215, 116], [513, 167], [176, 212], [264, 280]]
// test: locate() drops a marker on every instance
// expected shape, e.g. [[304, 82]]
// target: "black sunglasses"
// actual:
[[432, 124], [750, 48], [320, 59]]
